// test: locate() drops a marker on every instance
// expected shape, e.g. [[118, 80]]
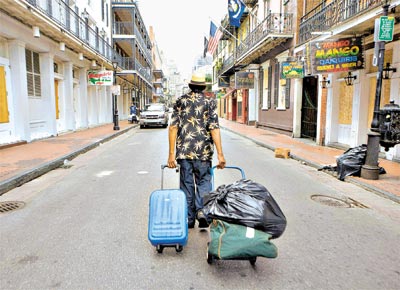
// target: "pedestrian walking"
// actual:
[[193, 133], [133, 113]]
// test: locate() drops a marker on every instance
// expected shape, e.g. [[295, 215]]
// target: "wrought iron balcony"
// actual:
[[274, 26], [250, 3], [227, 64], [325, 16], [69, 21]]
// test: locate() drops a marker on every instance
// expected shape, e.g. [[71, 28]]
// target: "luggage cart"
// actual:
[[211, 257]]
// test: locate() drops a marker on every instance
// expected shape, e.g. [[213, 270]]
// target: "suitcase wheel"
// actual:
[[159, 249], [178, 248], [210, 258], [253, 261]]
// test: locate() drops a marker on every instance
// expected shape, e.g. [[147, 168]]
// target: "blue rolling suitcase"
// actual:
[[168, 220]]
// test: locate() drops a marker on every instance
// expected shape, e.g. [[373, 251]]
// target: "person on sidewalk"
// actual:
[[193, 132], [133, 113]]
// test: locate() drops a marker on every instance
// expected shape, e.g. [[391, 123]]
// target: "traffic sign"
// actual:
[[386, 27]]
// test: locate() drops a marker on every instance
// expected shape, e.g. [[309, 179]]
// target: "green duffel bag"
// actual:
[[232, 241]]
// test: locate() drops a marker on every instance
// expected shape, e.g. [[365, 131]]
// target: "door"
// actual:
[[4, 116], [309, 108], [57, 99]]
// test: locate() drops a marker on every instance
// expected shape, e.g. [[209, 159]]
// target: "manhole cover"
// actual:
[[7, 206], [330, 201]]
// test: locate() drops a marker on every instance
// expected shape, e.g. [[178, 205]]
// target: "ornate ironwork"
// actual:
[[69, 20], [325, 16], [389, 125], [275, 24], [250, 3]]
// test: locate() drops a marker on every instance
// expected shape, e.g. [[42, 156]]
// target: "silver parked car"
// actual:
[[154, 114]]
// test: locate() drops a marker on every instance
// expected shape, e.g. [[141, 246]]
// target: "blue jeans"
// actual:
[[195, 181]]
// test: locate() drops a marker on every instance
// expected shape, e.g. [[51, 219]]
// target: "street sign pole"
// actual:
[[370, 170]]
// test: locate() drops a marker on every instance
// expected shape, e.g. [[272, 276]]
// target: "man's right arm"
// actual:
[[216, 136]]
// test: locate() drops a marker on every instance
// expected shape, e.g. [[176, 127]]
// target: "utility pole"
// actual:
[[370, 170]]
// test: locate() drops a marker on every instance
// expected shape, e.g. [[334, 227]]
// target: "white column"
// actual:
[[297, 93], [83, 92], [19, 89], [68, 82], [48, 95], [332, 111], [356, 122]]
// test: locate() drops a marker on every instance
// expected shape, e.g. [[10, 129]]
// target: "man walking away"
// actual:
[[193, 132]]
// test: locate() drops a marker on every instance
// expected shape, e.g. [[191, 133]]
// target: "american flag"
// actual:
[[215, 35]]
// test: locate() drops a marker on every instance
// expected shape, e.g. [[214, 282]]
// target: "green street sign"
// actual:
[[386, 27]]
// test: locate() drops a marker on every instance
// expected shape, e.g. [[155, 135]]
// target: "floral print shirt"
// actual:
[[195, 116]]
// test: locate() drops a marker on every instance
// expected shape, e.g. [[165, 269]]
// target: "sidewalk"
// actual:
[[22, 163]]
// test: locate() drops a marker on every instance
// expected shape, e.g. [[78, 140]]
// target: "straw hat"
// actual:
[[198, 79]]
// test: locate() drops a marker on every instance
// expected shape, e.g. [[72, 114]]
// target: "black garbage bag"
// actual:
[[350, 162], [247, 203]]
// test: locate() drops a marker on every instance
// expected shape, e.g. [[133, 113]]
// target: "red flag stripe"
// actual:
[[213, 42]]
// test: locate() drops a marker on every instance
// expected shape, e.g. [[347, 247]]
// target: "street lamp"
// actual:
[[349, 79], [114, 97], [387, 70], [325, 83], [370, 170]]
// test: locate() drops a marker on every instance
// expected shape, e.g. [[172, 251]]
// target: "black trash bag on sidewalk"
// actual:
[[350, 162], [247, 203]]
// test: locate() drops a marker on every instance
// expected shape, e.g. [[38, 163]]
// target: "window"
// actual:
[[33, 74], [102, 10]]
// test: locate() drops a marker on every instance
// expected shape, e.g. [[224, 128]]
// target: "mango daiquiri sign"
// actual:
[[330, 56], [100, 78]]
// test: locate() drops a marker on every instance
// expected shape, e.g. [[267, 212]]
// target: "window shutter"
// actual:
[[261, 87], [29, 72], [36, 66], [33, 73], [269, 87], [36, 63], [276, 84], [287, 94]]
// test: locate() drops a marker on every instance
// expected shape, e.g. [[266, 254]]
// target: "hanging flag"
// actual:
[[235, 10], [205, 46], [215, 35]]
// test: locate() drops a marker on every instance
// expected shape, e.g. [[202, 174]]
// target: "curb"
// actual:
[[31, 174], [348, 179]]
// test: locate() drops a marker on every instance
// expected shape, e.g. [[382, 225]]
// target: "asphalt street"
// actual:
[[84, 226]]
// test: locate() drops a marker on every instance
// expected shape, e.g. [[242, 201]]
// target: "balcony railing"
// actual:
[[227, 64], [325, 16], [145, 45], [123, 28], [277, 24], [71, 22]]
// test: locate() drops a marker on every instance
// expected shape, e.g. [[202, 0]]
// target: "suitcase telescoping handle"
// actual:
[[229, 167], [163, 166]]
